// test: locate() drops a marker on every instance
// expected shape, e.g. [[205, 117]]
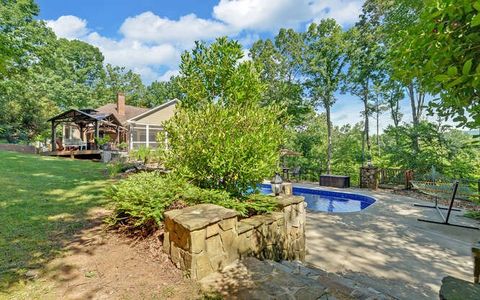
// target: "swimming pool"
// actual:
[[328, 201]]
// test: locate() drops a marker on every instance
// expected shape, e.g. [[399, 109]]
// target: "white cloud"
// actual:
[[262, 15], [148, 27], [167, 75], [271, 15], [69, 27], [150, 41], [131, 54], [345, 12]]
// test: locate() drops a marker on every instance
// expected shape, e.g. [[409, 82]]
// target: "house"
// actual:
[[147, 126], [115, 123]]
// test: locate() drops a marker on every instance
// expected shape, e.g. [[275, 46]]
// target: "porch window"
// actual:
[[144, 135]]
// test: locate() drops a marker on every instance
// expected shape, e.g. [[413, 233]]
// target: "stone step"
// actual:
[[339, 286], [251, 278]]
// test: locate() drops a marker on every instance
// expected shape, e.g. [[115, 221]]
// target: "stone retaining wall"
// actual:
[[205, 238], [18, 148]]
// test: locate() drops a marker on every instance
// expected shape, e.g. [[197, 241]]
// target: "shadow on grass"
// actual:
[[44, 202]]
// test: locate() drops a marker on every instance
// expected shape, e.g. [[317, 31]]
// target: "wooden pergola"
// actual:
[[86, 120]]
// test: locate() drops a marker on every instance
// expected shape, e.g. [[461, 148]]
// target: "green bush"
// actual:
[[142, 198], [142, 154], [231, 148], [473, 214], [114, 168]]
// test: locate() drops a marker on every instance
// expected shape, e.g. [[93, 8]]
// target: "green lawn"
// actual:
[[44, 201]]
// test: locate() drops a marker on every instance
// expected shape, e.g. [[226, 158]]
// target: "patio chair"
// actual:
[[59, 145], [296, 173]]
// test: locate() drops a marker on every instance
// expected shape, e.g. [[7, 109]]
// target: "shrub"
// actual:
[[123, 146], [231, 148], [142, 198], [142, 154], [114, 168], [147, 154]]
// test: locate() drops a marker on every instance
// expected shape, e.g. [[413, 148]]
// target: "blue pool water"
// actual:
[[328, 201]]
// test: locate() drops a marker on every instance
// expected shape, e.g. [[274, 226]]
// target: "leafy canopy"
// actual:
[[443, 46], [216, 73]]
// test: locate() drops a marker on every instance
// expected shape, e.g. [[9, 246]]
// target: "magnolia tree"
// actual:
[[222, 137], [230, 148]]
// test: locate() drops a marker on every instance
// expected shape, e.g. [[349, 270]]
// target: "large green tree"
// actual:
[[21, 36], [75, 75], [279, 62], [366, 57], [216, 73], [159, 92], [26, 48], [388, 19], [119, 79], [444, 44], [221, 136], [325, 57]]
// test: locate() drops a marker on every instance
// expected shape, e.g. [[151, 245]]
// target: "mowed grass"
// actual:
[[44, 201]]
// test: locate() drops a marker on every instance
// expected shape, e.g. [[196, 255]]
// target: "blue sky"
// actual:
[[148, 36]]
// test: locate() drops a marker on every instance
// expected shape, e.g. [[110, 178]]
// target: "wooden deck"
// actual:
[[74, 153]]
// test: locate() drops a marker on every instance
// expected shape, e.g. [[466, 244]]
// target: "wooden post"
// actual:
[[82, 138], [54, 136], [96, 133], [408, 179]]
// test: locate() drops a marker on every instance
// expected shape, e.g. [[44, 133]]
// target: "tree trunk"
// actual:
[[367, 112], [377, 112], [329, 138], [416, 103]]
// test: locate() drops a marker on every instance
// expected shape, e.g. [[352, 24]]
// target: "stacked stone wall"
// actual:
[[369, 177], [205, 238]]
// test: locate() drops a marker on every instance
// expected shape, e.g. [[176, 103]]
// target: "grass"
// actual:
[[44, 201]]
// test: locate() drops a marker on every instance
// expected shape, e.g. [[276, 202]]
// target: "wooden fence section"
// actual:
[[395, 177]]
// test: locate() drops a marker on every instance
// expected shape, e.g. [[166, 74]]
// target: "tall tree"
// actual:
[[279, 63], [75, 75], [21, 36], [389, 18], [325, 58], [26, 49], [159, 92], [118, 79], [217, 73], [366, 57], [444, 44]]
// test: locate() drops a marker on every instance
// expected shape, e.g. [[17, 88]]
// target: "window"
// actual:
[[153, 132], [145, 135]]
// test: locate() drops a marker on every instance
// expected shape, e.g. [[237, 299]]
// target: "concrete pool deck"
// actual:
[[386, 248]]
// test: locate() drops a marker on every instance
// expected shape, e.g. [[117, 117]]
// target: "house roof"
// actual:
[[130, 111], [153, 110], [85, 116]]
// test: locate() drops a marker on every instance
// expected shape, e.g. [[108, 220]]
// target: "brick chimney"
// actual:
[[121, 104]]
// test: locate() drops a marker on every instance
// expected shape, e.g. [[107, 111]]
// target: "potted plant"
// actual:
[[102, 142]]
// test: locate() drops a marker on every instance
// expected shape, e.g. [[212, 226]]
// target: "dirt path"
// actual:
[[105, 265]]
